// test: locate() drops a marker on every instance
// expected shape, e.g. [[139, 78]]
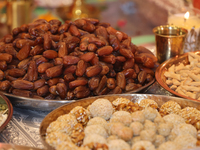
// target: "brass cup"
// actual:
[[170, 41]]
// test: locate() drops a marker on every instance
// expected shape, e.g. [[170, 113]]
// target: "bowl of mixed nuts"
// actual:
[[6, 111]]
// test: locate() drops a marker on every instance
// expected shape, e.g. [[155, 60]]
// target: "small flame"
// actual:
[[187, 14]]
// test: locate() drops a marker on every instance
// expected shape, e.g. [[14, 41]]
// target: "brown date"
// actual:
[[63, 28], [108, 59], [106, 50], [88, 27], [58, 61], [74, 30], [5, 85], [22, 84], [126, 53], [76, 83], [95, 60], [96, 41], [149, 63], [22, 42], [43, 91], [131, 87], [44, 66], [54, 71], [70, 69], [129, 63], [93, 83], [128, 72], [87, 56], [81, 68], [69, 77], [52, 90], [36, 50], [149, 78], [24, 52], [47, 41], [70, 60], [114, 42], [39, 83], [1, 75], [142, 76], [111, 83], [24, 93], [101, 31], [92, 47], [41, 60], [50, 54], [8, 38], [62, 90], [62, 51], [3, 65], [81, 92], [53, 81], [101, 86], [16, 72], [10, 50], [121, 80], [80, 23], [6, 57], [93, 70], [116, 90], [32, 71], [105, 70]]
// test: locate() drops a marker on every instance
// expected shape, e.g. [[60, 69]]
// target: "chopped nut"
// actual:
[[78, 135], [97, 146], [81, 115], [190, 114], [169, 107], [148, 103]]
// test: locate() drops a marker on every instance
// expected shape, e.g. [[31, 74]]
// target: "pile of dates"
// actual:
[[77, 59]]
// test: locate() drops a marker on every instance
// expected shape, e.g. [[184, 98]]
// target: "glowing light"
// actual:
[[187, 15]]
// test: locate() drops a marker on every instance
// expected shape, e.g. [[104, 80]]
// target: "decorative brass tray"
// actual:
[[160, 99], [164, 67]]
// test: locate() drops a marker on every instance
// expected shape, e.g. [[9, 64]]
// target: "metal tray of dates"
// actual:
[[47, 104], [47, 63]]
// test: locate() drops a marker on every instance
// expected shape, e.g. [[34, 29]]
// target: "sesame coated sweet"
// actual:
[[97, 129], [118, 144], [190, 114], [121, 116], [121, 100], [143, 145], [170, 107], [97, 121], [95, 138], [174, 119], [56, 138], [69, 119], [148, 103], [101, 108]]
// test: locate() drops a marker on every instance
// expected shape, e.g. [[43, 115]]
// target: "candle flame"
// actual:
[[187, 14]]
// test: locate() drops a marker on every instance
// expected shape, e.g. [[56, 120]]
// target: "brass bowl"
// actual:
[[160, 99], [164, 67], [6, 103]]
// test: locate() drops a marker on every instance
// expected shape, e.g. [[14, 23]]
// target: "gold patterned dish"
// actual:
[[61, 113], [6, 111], [189, 87]]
